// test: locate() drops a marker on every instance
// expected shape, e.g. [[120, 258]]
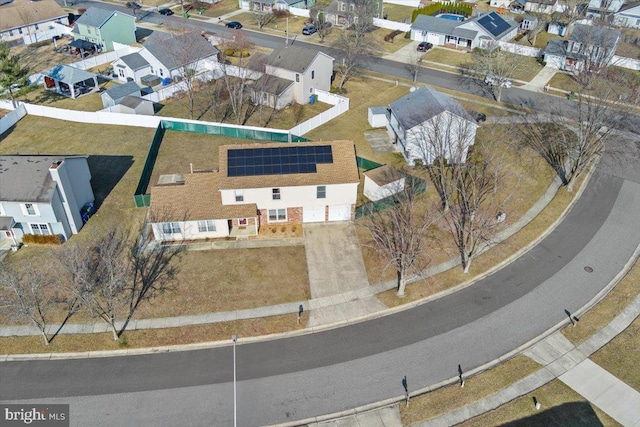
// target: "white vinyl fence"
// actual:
[[13, 117], [518, 49], [300, 12], [340, 105], [391, 25], [621, 61], [412, 3]]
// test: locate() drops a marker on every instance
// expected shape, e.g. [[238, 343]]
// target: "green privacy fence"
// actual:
[[141, 198], [418, 185]]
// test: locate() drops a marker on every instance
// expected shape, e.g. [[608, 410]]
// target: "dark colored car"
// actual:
[[424, 46], [165, 11], [133, 5], [309, 29], [234, 24]]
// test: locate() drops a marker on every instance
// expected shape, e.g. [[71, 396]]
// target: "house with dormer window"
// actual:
[[43, 195], [588, 47], [258, 184]]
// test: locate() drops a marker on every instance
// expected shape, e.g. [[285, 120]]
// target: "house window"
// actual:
[[239, 196], [170, 227], [352, 7], [161, 73], [277, 215], [10, 33], [313, 74], [208, 225], [151, 69], [242, 221], [321, 192], [343, 7], [121, 72], [41, 229], [30, 209], [297, 78], [275, 194], [37, 27]]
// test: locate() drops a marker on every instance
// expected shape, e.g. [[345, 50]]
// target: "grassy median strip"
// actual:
[[154, 337], [446, 399], [560, 406]]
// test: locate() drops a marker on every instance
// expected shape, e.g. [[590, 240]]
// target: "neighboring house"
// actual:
[[529, 23], [271, 5], [465, 34], [603, 9], [131, 67], [115, 94], [104, 27], [588, 46], [31, 21], [344, 13], [381, 182], [628, 16], [258, 184], [292, 73], [545, 6], [440, 127], [500, 3], [558, 28], [43, 195]]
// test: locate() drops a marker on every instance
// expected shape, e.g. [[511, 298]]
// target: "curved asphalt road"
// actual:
[[295, 378]]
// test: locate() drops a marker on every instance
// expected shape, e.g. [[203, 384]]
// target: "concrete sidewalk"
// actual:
[[570, 364]]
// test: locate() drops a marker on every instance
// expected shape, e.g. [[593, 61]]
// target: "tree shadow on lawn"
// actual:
[[106, 172], [577, 414]]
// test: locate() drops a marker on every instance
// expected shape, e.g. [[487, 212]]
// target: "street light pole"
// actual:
[[234, 337]]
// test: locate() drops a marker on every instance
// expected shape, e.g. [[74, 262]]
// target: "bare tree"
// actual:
[[571, 146], [399, 233], [34, 294], [415, 64], [126, 272], [262, 18], [494, 69], [237, 77], [476, 205], [442, 143]]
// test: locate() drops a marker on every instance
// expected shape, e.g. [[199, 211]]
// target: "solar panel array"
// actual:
[[494, 24], [277, 161]]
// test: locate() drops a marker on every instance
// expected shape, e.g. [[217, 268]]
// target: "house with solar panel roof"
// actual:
[[255, 185], [460, 33]]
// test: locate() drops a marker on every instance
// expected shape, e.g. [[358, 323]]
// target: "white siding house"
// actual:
[[24, 21], [256, 185], [43, 195], [439, 128]]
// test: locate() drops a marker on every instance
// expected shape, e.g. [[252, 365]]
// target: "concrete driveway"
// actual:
[[334, 259]]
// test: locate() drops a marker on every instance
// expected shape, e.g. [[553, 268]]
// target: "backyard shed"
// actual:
[[114, 95], [377, 117], [381, 182], [135, 105]]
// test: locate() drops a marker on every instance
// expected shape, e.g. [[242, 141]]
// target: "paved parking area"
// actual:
[[380, 141]]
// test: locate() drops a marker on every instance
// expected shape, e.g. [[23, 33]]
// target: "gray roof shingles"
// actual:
[[423, 104], [120, 91], [27, 178], [594, 35], [433, 24], [96, 17], [68, 74], [135, 61], [177, 50], [293, 57]]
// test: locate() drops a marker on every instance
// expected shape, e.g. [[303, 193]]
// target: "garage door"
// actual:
[[313, 214], [433, 38], [340, 213]]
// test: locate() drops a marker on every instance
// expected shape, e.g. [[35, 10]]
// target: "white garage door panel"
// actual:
[[433, 38], [313, 214], [340, 213]]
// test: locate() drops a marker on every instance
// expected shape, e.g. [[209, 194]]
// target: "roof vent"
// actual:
[[174, 179]]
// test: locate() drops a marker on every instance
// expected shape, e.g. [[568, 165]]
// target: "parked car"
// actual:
[[309, 29], [133, 5], [424, 46], [234, 24], [165, 11]]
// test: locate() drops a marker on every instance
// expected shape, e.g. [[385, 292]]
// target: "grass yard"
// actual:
[[447, 56], [621, 356], [561, 406], [155, 337], [446, 399], [397, 12], [221, 8], [607, 309], [40, 56], [378, 36], [541, 40], [89, 102]]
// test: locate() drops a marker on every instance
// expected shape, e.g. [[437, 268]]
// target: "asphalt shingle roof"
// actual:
[[27, 178], [120, 91], [176, 50], [272, 84], [19, 13], [293, 57], [383, 175], [135, 61], [423, 104], [595, 35], [433, 24], [96, 17], [68, 74]]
